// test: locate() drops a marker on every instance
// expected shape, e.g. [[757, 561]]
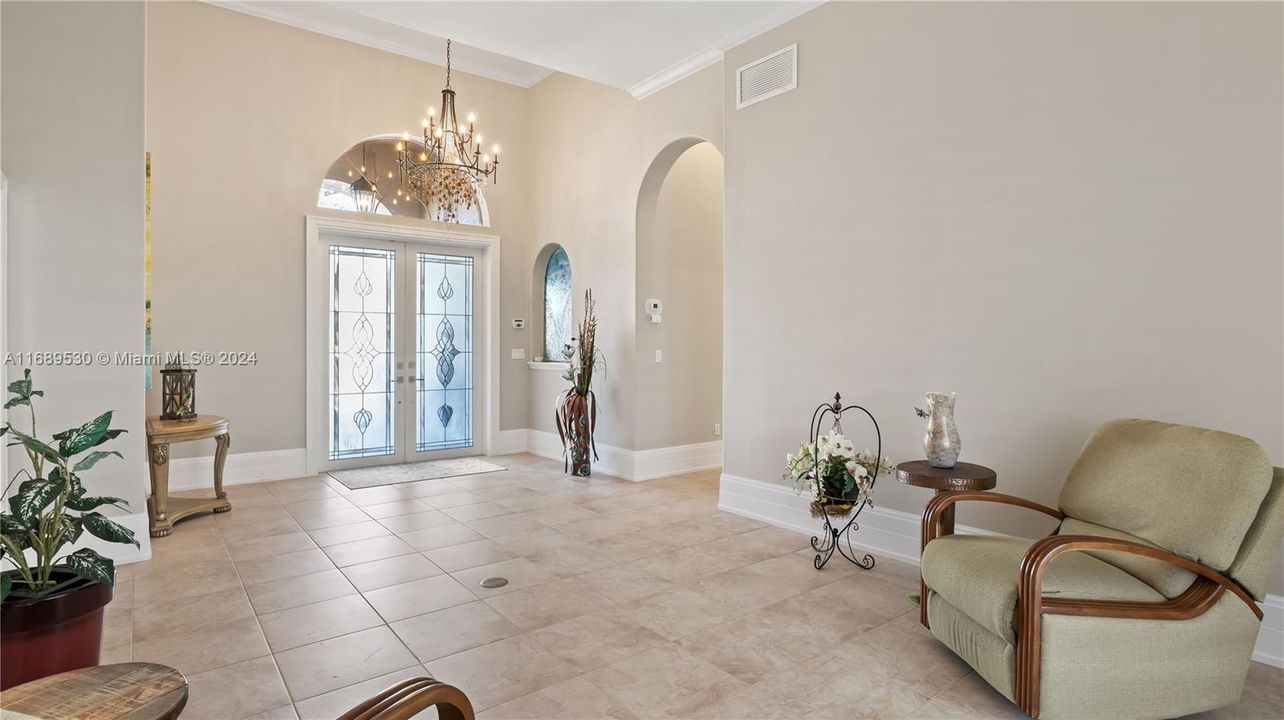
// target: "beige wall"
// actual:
[[1064, 212], [75, 224], [680, 262], [244, 118], [597, 144]]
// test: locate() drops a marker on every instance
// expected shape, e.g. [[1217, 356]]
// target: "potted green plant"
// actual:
[[834, 475], [51, 604]]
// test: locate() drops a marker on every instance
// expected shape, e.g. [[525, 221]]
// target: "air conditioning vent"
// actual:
[[767, 77]]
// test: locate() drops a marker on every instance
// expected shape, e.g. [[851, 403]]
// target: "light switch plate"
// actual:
[[519, 353], [659, 356]]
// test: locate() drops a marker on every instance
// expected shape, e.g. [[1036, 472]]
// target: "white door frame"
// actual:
[[317, 259]]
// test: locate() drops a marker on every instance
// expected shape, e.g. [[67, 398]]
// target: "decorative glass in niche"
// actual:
[[557, 305], [365, 179]]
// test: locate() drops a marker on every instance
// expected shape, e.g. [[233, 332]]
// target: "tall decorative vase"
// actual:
[[581, 441], [941, 441], [576, 417]]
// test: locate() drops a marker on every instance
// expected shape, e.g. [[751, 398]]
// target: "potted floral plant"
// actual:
[[51, 604], [576, 410], [834, 475]]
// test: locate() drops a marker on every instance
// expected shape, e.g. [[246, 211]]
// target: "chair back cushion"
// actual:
[[1259, 556], [1167, 578], [1191, 491]]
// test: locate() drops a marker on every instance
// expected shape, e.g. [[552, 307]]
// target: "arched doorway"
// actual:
[[679, 263]]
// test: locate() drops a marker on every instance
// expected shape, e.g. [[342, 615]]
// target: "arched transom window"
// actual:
[[365, 179]]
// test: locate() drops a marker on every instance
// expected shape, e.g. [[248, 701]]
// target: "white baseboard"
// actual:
[[676, 460], [895, 534], [635, 465], [125, 554], [197, 473], [1270, 637], [240, 468], [508, 442], [613, 461]]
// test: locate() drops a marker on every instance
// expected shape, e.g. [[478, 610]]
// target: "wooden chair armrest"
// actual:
[[1041, 554], [411, 697], [937, 506], [1031, 605]]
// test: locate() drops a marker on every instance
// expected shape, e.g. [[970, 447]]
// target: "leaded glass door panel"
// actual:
[[443, 337], [362, 393], [400, 346]]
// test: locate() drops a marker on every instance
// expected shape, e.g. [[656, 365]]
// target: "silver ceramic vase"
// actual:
[[941, 441]]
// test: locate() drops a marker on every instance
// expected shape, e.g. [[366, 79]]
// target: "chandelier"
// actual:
[[448, 171]]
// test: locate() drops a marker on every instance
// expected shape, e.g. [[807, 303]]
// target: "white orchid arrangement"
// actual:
[[829, 470]]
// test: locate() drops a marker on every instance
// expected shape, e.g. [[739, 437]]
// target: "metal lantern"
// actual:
[[178, 391]]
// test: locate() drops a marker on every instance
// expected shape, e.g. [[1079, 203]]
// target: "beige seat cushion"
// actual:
[[1191, 491], [978, 575], [1165, 577]]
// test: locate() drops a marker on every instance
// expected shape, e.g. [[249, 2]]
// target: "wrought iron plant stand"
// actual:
[[834, 537]]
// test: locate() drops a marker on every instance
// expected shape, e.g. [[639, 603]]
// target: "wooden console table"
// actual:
[[162, 510]]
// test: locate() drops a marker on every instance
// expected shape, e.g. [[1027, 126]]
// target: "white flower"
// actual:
[[856, 470]]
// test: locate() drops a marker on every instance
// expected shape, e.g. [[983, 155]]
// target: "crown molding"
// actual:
[[722, 43], [338, 27], [674, 73]]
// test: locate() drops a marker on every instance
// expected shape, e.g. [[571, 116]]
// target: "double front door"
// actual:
[[400, 344]]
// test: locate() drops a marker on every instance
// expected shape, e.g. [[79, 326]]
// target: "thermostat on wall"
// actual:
[[654, 308], [518, 323]]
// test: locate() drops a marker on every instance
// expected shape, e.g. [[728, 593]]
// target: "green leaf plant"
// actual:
[[50, 509]]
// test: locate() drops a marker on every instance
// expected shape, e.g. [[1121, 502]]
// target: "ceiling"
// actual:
[[635, 46]]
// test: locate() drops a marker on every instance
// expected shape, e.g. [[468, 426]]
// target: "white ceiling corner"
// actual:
[[336, 19], [774, 14], [636, 45]]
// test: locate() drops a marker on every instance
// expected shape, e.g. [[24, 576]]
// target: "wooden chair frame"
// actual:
[[1032, 606], [411, 697]]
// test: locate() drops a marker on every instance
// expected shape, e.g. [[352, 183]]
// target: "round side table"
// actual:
[[963, 476], [125, 691]]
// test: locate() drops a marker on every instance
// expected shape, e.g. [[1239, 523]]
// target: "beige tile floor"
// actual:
[[625, 600]]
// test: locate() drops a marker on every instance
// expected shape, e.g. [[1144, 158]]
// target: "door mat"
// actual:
[[412, 472]]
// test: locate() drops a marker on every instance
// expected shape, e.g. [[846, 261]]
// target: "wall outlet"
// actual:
[[519, 353], [659, 356], [717, 429]]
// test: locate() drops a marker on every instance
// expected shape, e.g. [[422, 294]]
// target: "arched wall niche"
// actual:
[[560, 291], [679, 256]]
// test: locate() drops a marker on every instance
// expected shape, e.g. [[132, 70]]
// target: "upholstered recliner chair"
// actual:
[[1141, 605]]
